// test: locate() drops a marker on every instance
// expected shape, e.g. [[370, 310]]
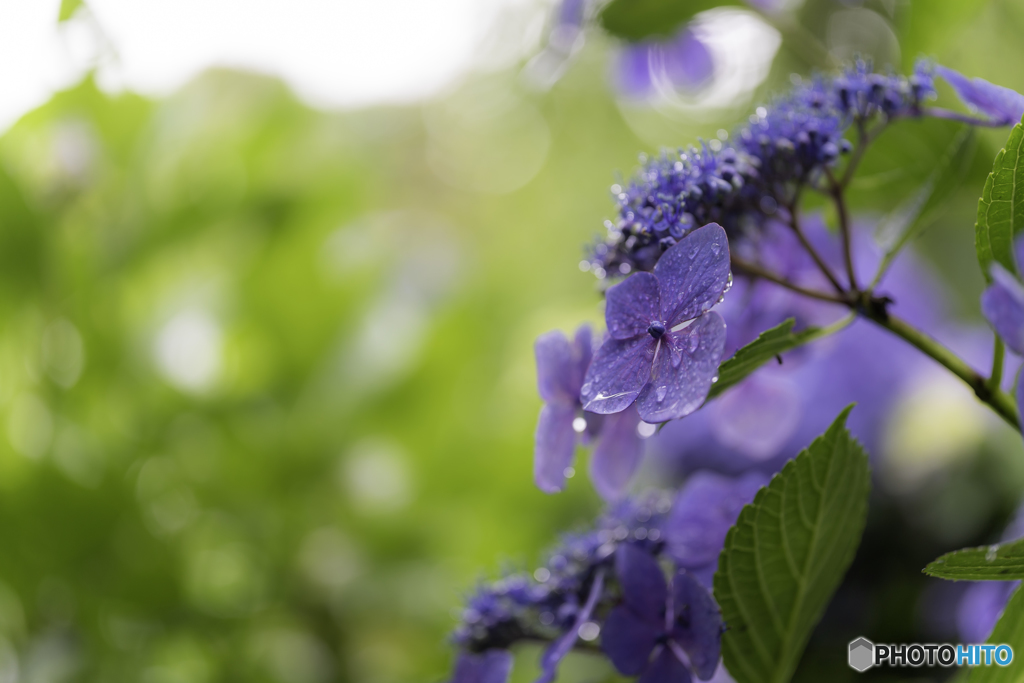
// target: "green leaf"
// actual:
[[1000, 562], [1010, 630], [768, 345], [912, 216], [68, 9], [787, 554], [1001, 207], [639, 19]]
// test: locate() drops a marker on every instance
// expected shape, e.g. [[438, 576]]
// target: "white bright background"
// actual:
[[333, 53]]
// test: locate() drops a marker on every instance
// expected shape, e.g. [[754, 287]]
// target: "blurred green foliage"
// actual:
[[266, 381]]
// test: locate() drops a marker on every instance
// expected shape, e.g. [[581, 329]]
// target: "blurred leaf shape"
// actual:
[[638, 19], [787, 554]]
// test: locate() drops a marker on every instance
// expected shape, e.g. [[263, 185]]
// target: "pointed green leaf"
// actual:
[[912, 216], [1001, 207], [768, 345], [639, 19], [1009, 630], [787, 554], [1000, 562]]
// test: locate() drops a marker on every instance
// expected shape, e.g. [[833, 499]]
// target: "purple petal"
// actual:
[[632, 71], [1020, 395], [685, 366], [561, 364], [1003, 306], [554, 447], [644, 588], [1002, 105], [699, 629], [489, 666], [631, 306], [666, 668], [980, 608], [693, 274], [551, 658], [702, 513], [628, 640], [620, 369], [758, 416], [686, 61], [616, 455]]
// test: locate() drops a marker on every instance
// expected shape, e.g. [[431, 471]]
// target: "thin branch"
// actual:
[[822, 266], [757, 271], [836, 192], [995, 378]]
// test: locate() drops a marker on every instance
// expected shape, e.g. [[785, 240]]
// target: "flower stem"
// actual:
[[996, 377], [999, 401], [754, 270], [794, 223], [836, 192]]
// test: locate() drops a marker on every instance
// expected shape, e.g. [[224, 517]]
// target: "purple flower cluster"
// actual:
[[608, 585], [740, 185]]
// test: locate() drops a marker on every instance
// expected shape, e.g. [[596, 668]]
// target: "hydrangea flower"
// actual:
[[659, 632], [652, 356], [1003, 306], [561, 366], [489, 666], [1002, 106]]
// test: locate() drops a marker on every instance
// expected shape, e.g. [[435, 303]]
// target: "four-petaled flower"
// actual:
[[660, 632], [561, 365], [652, 356]]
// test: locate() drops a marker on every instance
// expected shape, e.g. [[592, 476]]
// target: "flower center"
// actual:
[[656, 329]]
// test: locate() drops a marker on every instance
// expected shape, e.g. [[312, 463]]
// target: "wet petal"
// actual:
[[699, 624], [666, 668], [557, 651], [489, 666], [1000, 104], [631, 306], [644, 588], [628, 640], [683, 371], [693, 274], [554, 447], [704, 509], [620, 369], [1003, 306], [617, 454]]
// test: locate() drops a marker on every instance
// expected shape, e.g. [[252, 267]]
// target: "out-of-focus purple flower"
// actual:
[[660, 632], [561, 366], [490, 666], [681, 62], [704, 509], [1002, 106], [557, 651], [666, 369], [1003, 306]]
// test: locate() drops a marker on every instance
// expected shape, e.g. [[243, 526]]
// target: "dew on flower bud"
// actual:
[[640, 534], [716, 145], [616, 189], [547, 618], [569, 472], [723, 134], [620, 533], [761, 112], [624, 268], [579, 425], [542, 574], [584, 266], [654, 534]]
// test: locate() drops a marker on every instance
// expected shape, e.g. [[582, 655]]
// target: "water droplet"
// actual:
[[693, 252], [579, 425], [660, 393], [715, 249], [990, 554], [569, 472], [585, 389], [645, 430], [694, 342], [714, 379]]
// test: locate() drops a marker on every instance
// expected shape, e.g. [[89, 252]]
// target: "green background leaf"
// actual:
[[1001, 207], [787, 554], [1000, 562], [1010, 630], [639, 19]]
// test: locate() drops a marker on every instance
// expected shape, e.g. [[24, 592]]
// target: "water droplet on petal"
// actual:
[[715, 249], [660, 393], [694, 342], [693, 252], [585, 389]]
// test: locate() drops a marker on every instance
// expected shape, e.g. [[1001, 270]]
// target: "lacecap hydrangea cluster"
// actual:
[[607, 589], [743, 182]]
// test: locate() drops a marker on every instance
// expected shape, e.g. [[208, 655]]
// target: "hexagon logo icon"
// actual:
[[862, 654]]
